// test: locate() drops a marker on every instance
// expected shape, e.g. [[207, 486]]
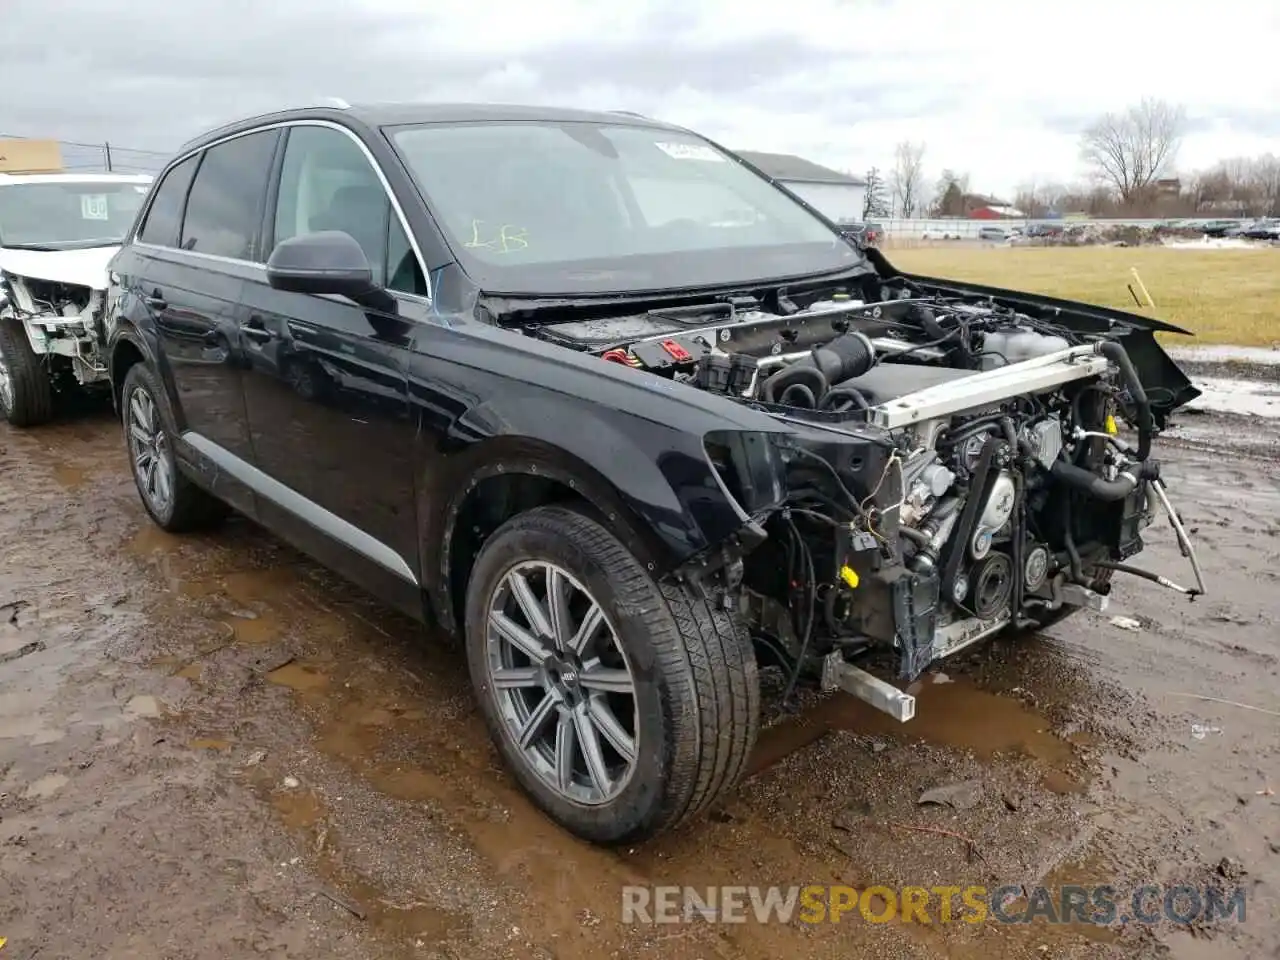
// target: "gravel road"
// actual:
[[212, 748]]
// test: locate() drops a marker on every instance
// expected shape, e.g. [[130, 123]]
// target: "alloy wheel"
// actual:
[[152, 454], [562, 683]]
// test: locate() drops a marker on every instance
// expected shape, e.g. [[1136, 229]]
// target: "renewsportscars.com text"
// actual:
[[1101, 905]]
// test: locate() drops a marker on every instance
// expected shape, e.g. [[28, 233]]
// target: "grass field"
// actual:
[[1222, 296]]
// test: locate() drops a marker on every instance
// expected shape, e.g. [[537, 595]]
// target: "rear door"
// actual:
[[326, 387], [197, 246]]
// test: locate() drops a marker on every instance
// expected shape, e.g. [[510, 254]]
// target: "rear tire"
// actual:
[[669, 681], [26, 395], [172, 500]]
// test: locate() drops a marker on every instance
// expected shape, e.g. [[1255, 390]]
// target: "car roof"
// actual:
[[9, 179], [397, 114]]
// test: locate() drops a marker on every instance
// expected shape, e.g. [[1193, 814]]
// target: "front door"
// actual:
[[326, 387]]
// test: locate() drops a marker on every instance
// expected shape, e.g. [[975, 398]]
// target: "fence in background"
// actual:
[[919, 229]]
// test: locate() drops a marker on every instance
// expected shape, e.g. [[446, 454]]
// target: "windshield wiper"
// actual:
[[695, 312]]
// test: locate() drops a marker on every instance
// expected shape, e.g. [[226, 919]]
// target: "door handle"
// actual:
[[156, 301], [255, 329]]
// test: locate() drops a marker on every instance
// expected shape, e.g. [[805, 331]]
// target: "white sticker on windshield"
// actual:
[[690, 151], [93, 206]]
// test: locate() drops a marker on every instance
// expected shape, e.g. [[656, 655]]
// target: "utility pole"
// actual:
[[106, 149]]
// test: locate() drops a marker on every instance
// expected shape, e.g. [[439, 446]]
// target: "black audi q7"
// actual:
[[633, 420]]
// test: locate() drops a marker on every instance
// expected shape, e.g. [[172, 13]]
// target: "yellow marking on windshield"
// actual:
[[507, 238]]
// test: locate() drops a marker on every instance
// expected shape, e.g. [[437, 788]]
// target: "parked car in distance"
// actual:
[[1221, 228], [865, 233], [992, 233], [940, 233], [1045, 230], [1264, 229], [515, 371], [58, 231]]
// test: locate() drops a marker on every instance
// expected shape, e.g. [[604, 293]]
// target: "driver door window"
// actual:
[[326, 183]]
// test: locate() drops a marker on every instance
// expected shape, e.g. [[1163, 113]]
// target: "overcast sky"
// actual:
[[999, 90]]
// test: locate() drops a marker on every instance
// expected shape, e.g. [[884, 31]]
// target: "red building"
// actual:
[[996, 212]]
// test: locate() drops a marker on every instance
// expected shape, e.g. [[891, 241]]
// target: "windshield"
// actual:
[[577, 208], [68, 214]]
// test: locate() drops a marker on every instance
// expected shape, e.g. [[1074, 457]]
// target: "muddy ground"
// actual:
[[211, 748]]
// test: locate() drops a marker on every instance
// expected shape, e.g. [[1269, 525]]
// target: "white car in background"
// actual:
[[58, 232], [940, 233]]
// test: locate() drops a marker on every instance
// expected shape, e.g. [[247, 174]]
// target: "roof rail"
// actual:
[[630, 113], [333, 103]]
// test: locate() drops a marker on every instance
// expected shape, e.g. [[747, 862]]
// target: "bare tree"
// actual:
[[1240, 186], [1129, 151], [874, 203], [907, 178], [949, 194], [1264, 183]]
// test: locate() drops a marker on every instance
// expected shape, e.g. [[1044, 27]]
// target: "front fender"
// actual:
[[659, 474]]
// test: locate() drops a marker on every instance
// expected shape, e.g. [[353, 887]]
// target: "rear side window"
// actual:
[[164, 219], [224, 209]]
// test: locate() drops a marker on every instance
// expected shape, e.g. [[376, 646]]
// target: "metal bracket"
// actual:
[[839, 675], [992, 386], [1077, 596]]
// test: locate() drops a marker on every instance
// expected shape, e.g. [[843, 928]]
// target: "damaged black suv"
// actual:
[[629, 417]]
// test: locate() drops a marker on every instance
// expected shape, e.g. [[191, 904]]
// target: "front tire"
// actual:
[[624, 706], [26, 395], [169, 497]]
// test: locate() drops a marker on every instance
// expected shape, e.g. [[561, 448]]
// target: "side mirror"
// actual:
[[326, 262]]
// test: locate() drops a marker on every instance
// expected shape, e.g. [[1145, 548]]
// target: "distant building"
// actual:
[[996, 212], [1169, 185], [836, 195], [30, 156]]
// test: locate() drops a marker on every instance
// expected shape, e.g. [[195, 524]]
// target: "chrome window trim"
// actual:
[[261, 265]]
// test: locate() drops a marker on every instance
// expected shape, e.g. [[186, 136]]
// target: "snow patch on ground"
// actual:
[[1215, 243], [1243, 397], [1226, 353]]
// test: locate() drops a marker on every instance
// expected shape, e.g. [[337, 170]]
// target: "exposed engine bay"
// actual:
[[958, 466], [62, 320]]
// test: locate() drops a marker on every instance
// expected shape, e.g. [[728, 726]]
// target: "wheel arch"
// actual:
[[128, 344], [125, 352], [509, 477]]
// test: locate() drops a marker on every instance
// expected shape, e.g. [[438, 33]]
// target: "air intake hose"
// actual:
[[1117, 354], [848, 355], [1101, 487]]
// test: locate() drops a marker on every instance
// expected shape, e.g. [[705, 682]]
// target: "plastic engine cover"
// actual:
[[1017, 345]]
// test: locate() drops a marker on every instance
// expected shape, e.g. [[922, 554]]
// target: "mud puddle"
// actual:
[[304, 773]]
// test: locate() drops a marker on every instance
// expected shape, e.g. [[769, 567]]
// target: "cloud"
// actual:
[[999, 89]]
